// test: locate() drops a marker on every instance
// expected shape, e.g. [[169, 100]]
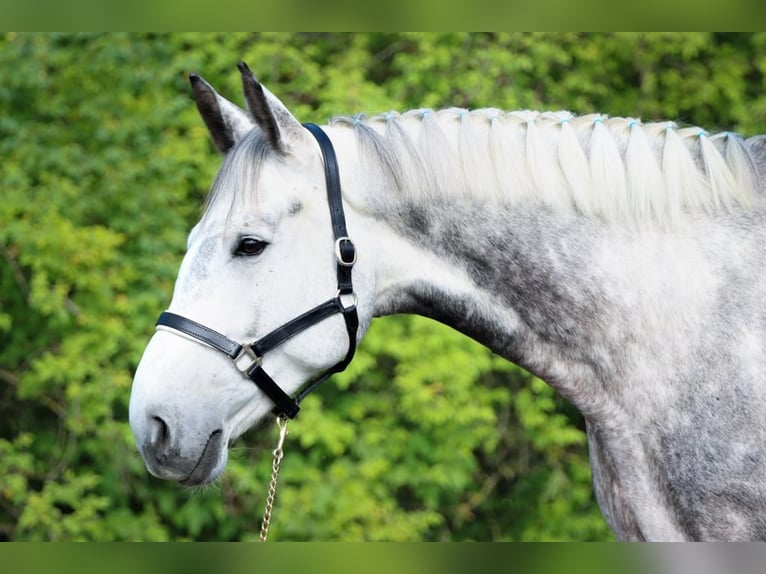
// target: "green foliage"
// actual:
[[427, 436]]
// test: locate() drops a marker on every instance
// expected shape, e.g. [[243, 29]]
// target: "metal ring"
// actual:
[[354, 300]]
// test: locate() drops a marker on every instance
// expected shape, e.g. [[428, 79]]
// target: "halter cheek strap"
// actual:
[[247, 358]]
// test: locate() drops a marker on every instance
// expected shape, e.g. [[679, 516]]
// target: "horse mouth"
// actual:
[[205, 469]]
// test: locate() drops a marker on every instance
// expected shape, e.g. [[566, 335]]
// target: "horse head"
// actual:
[[263, 295]]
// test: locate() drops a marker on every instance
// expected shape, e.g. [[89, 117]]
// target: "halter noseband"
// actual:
[[247, 358]]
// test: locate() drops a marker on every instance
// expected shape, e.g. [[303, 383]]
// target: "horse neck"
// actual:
[[576, 301], [516, 280]]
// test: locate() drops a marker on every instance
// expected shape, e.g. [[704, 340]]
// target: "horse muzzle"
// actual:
[[195, 463]]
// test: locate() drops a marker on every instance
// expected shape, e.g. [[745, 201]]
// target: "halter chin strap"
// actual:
[[247, 358]]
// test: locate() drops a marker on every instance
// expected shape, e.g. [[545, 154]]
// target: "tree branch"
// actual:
[[18, 274]]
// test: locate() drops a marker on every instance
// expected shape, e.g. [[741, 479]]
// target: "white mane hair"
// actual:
[[618, 169]]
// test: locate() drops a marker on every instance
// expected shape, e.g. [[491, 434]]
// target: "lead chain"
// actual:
[[277, 460]]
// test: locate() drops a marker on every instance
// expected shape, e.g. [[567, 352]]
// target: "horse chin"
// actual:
[[211, 462]]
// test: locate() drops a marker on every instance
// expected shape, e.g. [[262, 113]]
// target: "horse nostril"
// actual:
[[160, 435]]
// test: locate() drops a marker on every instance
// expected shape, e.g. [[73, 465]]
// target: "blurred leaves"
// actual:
[[427, 436]]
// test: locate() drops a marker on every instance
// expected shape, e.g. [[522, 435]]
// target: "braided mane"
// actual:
[[619, 169]]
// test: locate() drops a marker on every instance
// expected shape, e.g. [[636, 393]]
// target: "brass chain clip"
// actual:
[[277, 460]]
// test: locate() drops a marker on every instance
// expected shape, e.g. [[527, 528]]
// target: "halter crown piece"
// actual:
[[247, 358]]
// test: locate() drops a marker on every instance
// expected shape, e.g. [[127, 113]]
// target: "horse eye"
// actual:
[[250, 246]]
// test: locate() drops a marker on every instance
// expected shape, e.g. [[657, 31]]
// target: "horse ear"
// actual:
[[226, 122], [279, 126]]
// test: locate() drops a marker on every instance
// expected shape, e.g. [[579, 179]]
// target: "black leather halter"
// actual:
[[247, 358]]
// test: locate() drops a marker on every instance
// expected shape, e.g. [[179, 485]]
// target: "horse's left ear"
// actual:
[[279, 126]]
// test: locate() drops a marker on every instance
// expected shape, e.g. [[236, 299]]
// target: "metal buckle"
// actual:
[[248, 353], [339, 255]]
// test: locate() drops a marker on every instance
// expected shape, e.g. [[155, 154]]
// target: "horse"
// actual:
[[621, 261]]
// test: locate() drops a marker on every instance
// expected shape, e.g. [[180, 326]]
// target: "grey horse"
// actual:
[[620, 261]]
